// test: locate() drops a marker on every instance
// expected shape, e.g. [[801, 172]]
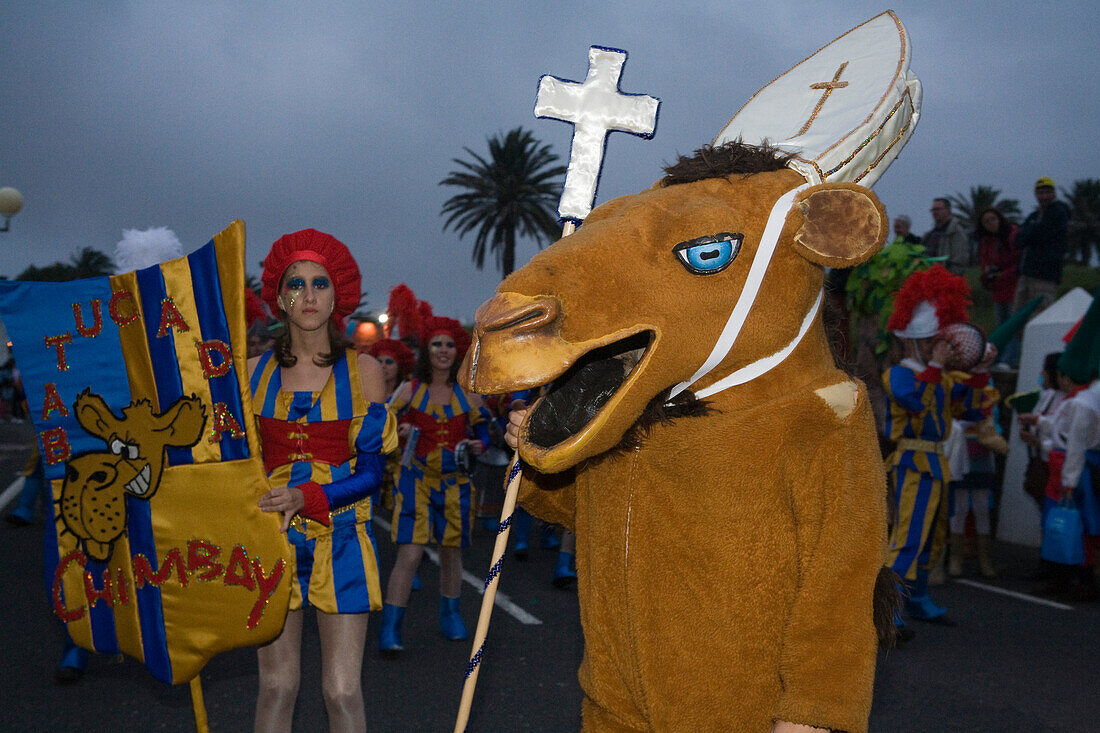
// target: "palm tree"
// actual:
[[57, 272], [980, 199], [1084, 225], [90, 262], [511, 193]]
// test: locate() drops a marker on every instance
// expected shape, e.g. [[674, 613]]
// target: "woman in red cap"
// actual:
[[396, 360], [433, 498], [325, 437]]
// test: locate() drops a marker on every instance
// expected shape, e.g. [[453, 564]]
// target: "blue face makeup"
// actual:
[[710, 254], [443, 343], [320, 283], [295, 283]]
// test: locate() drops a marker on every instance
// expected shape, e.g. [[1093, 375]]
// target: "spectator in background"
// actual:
[[902, 235], [999, 260], [1042, 242], [947, 238]]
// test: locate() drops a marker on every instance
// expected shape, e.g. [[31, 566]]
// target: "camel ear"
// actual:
[[843, 224], [184, 422], [94, 415]]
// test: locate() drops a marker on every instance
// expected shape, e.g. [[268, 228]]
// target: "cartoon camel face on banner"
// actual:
[[93, 496]]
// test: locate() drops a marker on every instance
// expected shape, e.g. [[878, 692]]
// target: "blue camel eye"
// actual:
[[710, 254]]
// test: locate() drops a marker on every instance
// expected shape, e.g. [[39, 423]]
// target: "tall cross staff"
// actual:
[[595, 108]]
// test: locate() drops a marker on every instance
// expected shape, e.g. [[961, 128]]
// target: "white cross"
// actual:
[[594, 108]]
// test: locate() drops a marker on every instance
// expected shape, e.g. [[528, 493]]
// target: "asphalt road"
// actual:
[[1014, 663]]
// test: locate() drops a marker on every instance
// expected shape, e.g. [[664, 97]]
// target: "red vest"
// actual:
[[321, 442]]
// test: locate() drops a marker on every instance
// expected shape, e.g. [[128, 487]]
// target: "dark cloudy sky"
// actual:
[[344, 116]]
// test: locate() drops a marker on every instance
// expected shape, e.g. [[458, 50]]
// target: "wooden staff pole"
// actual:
[[198, 705], [489, 598]]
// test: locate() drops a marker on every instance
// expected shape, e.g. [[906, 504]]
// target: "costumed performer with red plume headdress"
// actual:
[[396, 360], [325, 436], [433, 498], [921, 399]]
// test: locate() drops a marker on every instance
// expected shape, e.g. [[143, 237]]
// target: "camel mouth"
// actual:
[[574, 399], [140, 483]]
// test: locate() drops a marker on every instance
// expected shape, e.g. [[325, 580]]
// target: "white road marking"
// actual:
[[502, 601], [1014, 594], [11, 492]]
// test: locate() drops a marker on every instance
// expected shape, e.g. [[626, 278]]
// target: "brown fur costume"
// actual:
[[727, 560]]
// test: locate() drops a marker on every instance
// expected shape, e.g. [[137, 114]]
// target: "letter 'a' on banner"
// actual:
[[138, 388]]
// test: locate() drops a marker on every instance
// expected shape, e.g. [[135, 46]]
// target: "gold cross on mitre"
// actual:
[[828, 86]]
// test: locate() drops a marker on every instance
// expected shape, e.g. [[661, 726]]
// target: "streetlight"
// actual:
[[11, 201]]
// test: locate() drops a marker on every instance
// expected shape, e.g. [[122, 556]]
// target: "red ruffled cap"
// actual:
[[950, 294], [402, 354], [328, 252], [449, 326]]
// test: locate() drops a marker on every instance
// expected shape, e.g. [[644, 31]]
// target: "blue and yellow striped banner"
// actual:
[[139, 382]]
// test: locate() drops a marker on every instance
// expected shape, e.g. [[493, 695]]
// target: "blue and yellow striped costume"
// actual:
[[337, 565], [920, 405], [433, 498]]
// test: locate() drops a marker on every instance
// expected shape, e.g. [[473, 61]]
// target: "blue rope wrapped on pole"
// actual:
[[487, 599]]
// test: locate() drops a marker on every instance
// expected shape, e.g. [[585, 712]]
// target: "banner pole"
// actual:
[[198, 705]]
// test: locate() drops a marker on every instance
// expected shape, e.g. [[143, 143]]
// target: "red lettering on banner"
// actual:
[[238, 571], [114, 307], [267, 584], [202, 554], [206, 351], [170, 317], [122, 587], [55, 446], [66, 614], [94, 595], [143, 572], [52, 401], [58, 342], [224, 422], [97, 319]]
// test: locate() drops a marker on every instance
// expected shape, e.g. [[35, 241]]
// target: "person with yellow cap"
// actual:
[[1042, 242]]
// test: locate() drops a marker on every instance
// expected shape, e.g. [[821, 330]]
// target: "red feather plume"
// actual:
[[404, 311], [253, 308]]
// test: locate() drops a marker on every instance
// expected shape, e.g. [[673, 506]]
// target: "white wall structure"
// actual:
[[1019, 516]]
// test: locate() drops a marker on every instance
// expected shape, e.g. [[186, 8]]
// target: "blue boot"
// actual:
[[389, 636], [919, 604], [450, 620], [521, 530], [547, 539], [565, 570], [74, 660]]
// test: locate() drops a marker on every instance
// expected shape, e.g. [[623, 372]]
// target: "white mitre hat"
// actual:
[[845, 112]]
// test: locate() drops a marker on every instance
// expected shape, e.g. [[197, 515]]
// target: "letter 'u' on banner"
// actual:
[[138, 388]]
